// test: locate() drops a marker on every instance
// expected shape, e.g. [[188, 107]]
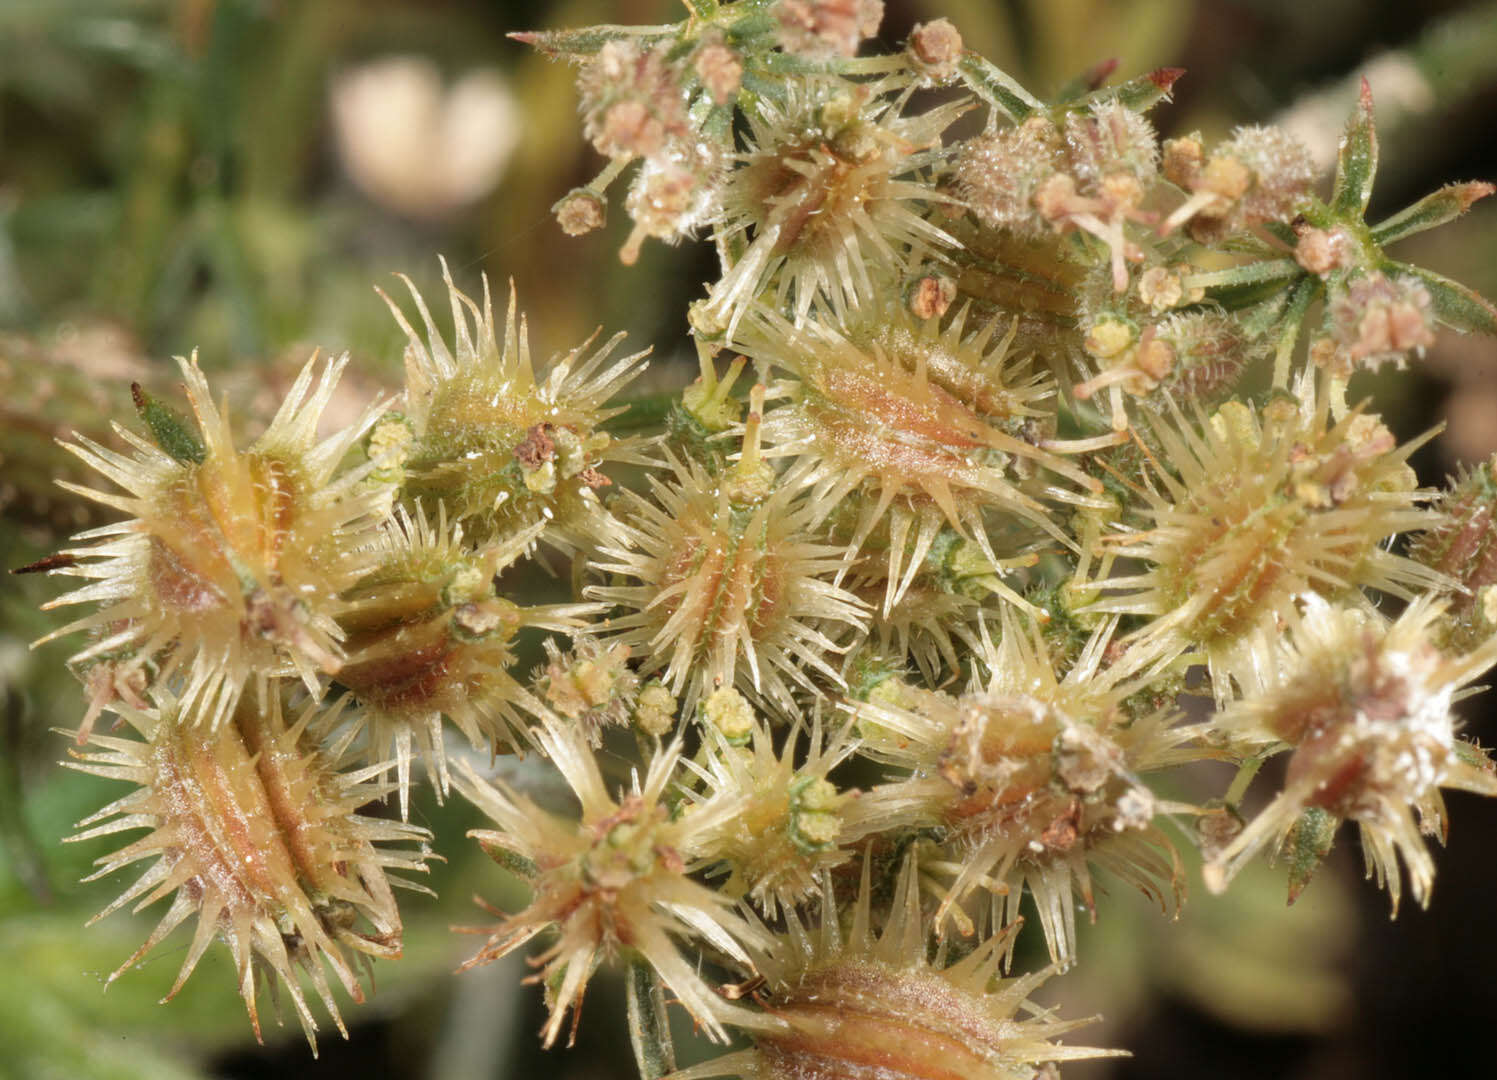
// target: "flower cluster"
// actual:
[[890, 637]]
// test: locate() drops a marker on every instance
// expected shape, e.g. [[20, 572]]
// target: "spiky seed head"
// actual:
[[789, 826], [500, 447], [929, 426], [1252, 509], [611, 881], [1462, 544], [229, 561], [1364, 705], [429, 635], [733, 590], [1034, 779], [826, 189], [254, 830], [859, 1002]]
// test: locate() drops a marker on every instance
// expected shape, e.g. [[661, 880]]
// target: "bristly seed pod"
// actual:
[[1253, 509], [827, 179], [924, 424], [613, 881], [499, 447], [231, 561], [862, 1007], [789, 826], [1365, 708], [732, 588], [429, 636], [254, 830], [1034, 780]]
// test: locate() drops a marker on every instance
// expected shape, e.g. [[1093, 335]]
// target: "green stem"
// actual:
[[649, 1026], [1245, 773]]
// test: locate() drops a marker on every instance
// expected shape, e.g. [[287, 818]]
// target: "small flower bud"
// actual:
[[655, 709], [827, 28], [730, 713], [1160, 288], [1375, 318], [721, 72], [632, 101], [581, 211], [1109, 336], [1322, 250], [935, 48]]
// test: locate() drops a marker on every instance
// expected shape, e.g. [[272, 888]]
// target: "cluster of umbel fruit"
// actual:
[[893, 632]]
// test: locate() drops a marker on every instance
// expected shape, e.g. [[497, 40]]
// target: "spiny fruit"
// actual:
[[500, 447], [229, 561], [255, 830]]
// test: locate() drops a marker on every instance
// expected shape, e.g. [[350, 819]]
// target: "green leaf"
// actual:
[[1146, 91], [589, 39], [1305, 848], [998, 88], [1447, 204], [1356, 161], [171, 430], [1089, 81], [1247, 284], [1455, 305]]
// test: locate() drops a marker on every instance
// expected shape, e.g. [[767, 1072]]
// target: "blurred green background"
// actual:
[[233, 175]]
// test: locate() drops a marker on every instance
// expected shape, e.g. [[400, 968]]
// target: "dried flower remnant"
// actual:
[[1364, 706], [877, 1004], [935, 48], [254, 830], [230, 561], [500, 447], [614, 880], [581, 211]]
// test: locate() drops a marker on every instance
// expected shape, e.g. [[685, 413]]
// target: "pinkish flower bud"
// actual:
[[935, 48], [721, 72], [581, 211], [1377, 318], [632, 101], [826, 28]]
